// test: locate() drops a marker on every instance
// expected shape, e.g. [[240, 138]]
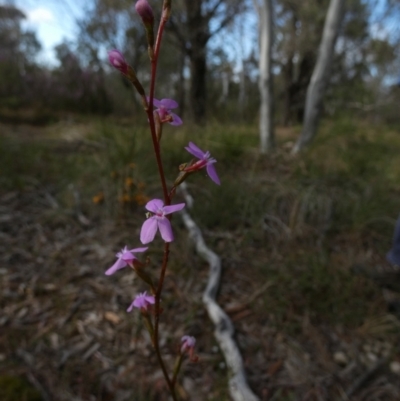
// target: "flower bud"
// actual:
[[117, 60], [146, 13]]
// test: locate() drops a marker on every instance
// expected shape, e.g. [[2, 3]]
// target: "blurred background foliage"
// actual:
[[209, 62]]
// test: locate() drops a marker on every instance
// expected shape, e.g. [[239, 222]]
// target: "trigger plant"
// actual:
[[159, 216]]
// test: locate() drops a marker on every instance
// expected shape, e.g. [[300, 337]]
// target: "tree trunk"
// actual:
[[267, 140], [198, 21], [320, 77], [198, 89], [199, 35], [288, 74]]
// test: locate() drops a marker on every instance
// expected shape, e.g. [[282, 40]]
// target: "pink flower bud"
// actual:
[[117, 60], [188, 343], [146, 13]]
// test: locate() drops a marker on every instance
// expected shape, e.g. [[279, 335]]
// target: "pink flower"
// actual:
[[117, 60], [164, 111], [158, 221], [145, 12], [125, 258], [188, 343], [142, 301], [205, 160]]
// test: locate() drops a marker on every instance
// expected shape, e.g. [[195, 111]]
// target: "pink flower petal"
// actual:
[[135, 250], [150, 299], [142, 301], [126, 255], [168, 104], [119, 264], [156, 102], [188, 342], [173, 208], [194, 150], [165, 230], [131, 306], [213, 174], [148, 231], [176, 120], [154, 205]]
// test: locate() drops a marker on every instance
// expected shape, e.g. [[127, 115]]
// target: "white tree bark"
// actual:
[[224, 330], [265, 83], [320, 77]]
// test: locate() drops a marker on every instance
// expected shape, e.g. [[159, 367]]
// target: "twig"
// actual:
[[224, 330], [365, 377]]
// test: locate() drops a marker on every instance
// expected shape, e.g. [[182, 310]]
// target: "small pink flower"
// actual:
[[142, 301], [125, 258], [205, 160], [145, 12], [164, 111], [158, 221], [188, 343], [117, 60]]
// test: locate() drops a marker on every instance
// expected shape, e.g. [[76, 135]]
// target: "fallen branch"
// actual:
[[224, 330]]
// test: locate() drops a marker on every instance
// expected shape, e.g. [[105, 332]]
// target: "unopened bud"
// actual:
[[117, 60], [145, 12]]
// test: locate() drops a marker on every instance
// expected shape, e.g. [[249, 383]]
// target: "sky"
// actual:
[[52, 20], [55, 20]]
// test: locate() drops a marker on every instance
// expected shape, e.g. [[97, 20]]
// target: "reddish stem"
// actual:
[[167, 201], [156, 144]]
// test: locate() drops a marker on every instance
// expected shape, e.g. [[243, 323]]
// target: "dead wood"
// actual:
[[224, 330]]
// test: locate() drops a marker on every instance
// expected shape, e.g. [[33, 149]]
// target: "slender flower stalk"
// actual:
[[160, 211]]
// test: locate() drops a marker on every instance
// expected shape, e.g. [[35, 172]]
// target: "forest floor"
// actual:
[[294, 234]]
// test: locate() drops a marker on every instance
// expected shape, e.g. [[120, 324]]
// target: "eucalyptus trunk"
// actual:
[[267, 139], [320, 77]]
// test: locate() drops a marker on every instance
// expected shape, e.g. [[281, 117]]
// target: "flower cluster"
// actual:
[[159, 212]]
